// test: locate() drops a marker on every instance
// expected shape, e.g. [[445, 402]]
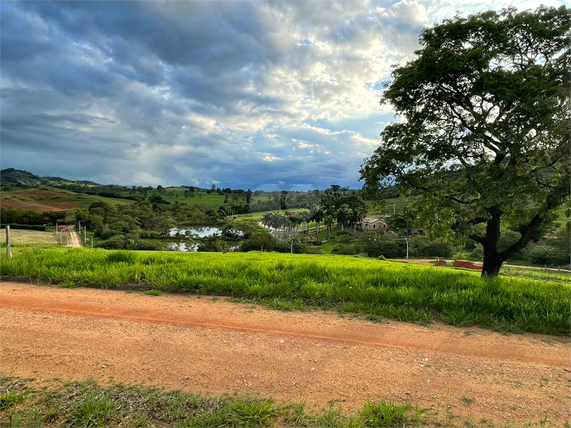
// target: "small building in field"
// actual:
[[374, 223], [290, 213]]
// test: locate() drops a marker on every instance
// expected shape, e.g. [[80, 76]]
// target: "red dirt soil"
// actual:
[[38, 203], [36, 206], [215, 346]]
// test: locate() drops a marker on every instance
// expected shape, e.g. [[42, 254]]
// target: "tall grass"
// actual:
[[376, 289], [88, 405]]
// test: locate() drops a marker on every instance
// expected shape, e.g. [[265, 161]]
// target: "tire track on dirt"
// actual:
[[215, 346], [393, 334]]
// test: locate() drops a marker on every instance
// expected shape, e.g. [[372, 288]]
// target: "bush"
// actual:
[[345, 238], [477, 253], [422, 246], [437, 249], [24, 226], [260, 241], [115, 243], [109, 234], [382, 246], [548, 255], [346, 250], [138, 244]]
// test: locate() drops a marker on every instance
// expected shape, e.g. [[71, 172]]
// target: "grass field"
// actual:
[[86, 404], [176, 194], [30, 237], [48, 199], [373, 288], [257, 216]]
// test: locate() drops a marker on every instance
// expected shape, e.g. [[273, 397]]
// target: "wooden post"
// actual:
[[8, 248]]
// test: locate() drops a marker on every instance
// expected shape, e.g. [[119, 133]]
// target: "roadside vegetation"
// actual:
[[87, 404], [375, 289]]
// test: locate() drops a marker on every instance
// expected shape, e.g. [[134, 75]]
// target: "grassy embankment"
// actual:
[[372, 288], [86, 404]]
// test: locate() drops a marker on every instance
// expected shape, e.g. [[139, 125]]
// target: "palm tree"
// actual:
[[277, 221], [266, 220], [318, 215], [304, 217], [329, 219], [355, 218], [343, 215]]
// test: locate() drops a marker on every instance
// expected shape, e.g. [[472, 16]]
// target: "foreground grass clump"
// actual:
[[86, 404], [373, 288]]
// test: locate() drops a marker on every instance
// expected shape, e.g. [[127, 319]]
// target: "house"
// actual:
[[290, 213], [374, 223]]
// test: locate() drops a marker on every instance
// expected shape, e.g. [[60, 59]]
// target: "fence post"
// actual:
[[8, 248]]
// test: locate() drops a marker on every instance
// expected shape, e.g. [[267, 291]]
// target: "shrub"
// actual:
[[477, 253], [422, 246], [548, 255], [24, 226], [347, 250], [345, 238], [262, 240], [115, 243], [384, 246]]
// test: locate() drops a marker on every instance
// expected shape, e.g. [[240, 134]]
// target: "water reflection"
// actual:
[[198, 233], [192, 247], [202, 232]]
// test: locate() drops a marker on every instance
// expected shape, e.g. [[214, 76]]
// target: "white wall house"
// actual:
[[374, 223]]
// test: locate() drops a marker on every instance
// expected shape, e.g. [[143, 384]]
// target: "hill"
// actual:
[[15, 177], [19, 178]]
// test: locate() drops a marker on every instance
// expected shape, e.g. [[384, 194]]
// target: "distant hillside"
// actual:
[[15, 177], [18, 178]]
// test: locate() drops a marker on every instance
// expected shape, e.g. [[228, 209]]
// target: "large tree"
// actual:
[[484, 126]]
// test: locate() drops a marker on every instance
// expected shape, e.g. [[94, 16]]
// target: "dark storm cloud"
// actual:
[[238, 93]]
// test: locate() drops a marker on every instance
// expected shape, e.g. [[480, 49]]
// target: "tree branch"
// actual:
[[481, 239], [523, 240]]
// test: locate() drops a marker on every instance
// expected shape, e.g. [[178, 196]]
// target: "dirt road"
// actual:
[[215, 346], [73, 239]]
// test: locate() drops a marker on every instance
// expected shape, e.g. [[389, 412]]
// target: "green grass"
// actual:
[[372, 288], [176, 194], [86, 404], [527, 272], [31, 237]]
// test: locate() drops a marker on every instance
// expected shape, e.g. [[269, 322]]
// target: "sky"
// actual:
[[242, 94]]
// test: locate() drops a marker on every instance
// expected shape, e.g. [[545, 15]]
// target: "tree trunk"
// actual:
[[492, 260]]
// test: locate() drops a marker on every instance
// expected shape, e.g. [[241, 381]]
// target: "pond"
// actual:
[[196, 232], [201, 231], [192, 247], [182, 246]]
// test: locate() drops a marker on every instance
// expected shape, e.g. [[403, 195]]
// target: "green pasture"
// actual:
[[31, 237], [373, 288]]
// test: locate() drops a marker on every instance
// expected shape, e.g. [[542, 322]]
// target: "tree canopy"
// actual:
[[483, 126]]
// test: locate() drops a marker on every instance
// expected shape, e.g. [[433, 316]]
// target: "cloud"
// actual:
[[239, 93]]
